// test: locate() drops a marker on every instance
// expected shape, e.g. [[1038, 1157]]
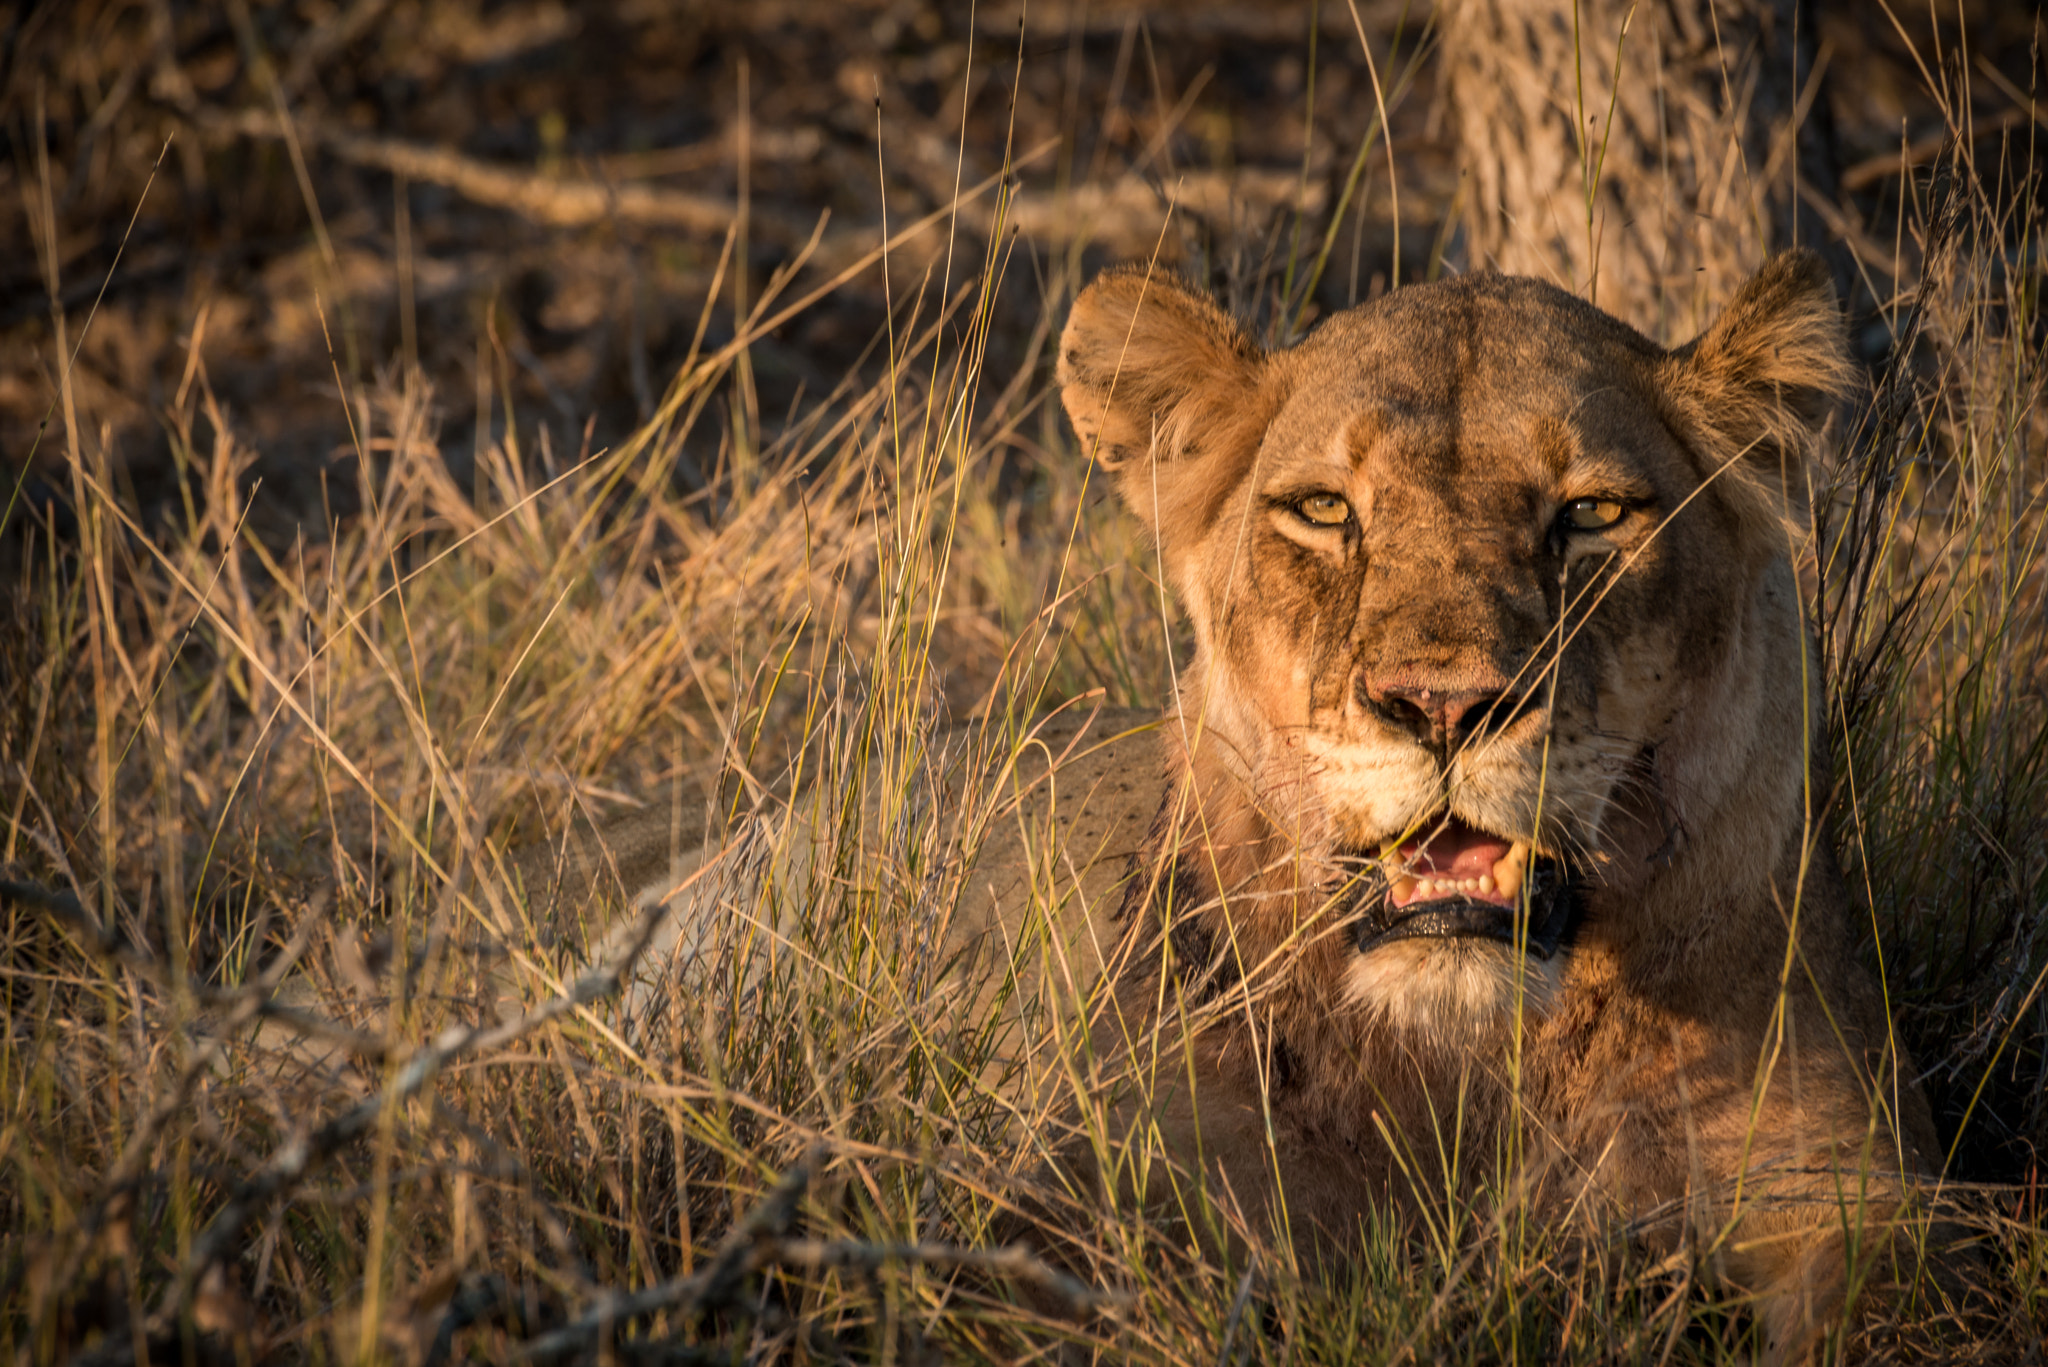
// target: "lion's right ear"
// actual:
[[1163, 389]]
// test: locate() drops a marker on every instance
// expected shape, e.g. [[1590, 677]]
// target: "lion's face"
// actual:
[[1491, 595]]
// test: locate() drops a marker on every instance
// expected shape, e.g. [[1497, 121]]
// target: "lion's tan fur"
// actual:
[[1708, 1057]]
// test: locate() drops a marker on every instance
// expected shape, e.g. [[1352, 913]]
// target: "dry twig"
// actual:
[[291, 1163], [758, 1242]]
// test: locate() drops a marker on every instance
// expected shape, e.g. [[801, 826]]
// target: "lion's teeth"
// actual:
[[1507, 874], [1504, 882]]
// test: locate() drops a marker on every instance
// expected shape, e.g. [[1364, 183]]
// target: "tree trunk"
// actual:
[[1699, 123]]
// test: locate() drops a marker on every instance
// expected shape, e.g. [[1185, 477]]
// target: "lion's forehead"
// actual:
[[1473, 393], [1437, 341]]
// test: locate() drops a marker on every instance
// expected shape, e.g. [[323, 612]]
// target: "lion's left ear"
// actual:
[[1757, 387]]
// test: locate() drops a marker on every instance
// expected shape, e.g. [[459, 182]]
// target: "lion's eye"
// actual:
[[1592, 514], [1325, 510]]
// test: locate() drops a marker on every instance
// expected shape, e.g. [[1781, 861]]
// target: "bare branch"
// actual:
[[757, 1242]]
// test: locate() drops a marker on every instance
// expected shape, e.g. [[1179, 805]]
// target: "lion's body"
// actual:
[[1494, 604]]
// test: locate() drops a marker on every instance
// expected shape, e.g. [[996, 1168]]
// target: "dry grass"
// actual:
[[293, 1070], [1933, 621]]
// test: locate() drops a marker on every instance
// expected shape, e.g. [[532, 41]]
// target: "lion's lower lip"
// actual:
[[1444, 913], [1464, 918]]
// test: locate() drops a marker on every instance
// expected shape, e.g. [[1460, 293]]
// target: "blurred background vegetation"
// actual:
[[382, 381], [538, 193]]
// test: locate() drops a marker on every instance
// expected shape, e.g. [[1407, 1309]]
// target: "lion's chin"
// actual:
[[1450, 991], [1463, 929]]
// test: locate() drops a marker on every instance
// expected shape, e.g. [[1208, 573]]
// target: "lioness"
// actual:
[[1490, 795], [1499, 755]]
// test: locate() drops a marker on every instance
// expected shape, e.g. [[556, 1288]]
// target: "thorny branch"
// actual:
[[249, 1001], [292, 1162], [759, 1241]]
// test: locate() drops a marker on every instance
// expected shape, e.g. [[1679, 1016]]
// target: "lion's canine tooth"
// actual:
[[1404, 889], [1507, 874]]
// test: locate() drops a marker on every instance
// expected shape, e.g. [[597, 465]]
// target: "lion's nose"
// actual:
[[1441, 718]]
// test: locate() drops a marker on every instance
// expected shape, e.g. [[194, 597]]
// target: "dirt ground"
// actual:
[[533, 201]]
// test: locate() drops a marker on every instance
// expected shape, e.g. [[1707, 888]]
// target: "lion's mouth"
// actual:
[[1455, 881]]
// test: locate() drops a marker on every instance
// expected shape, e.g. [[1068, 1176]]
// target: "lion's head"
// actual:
[[1495, 614]]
